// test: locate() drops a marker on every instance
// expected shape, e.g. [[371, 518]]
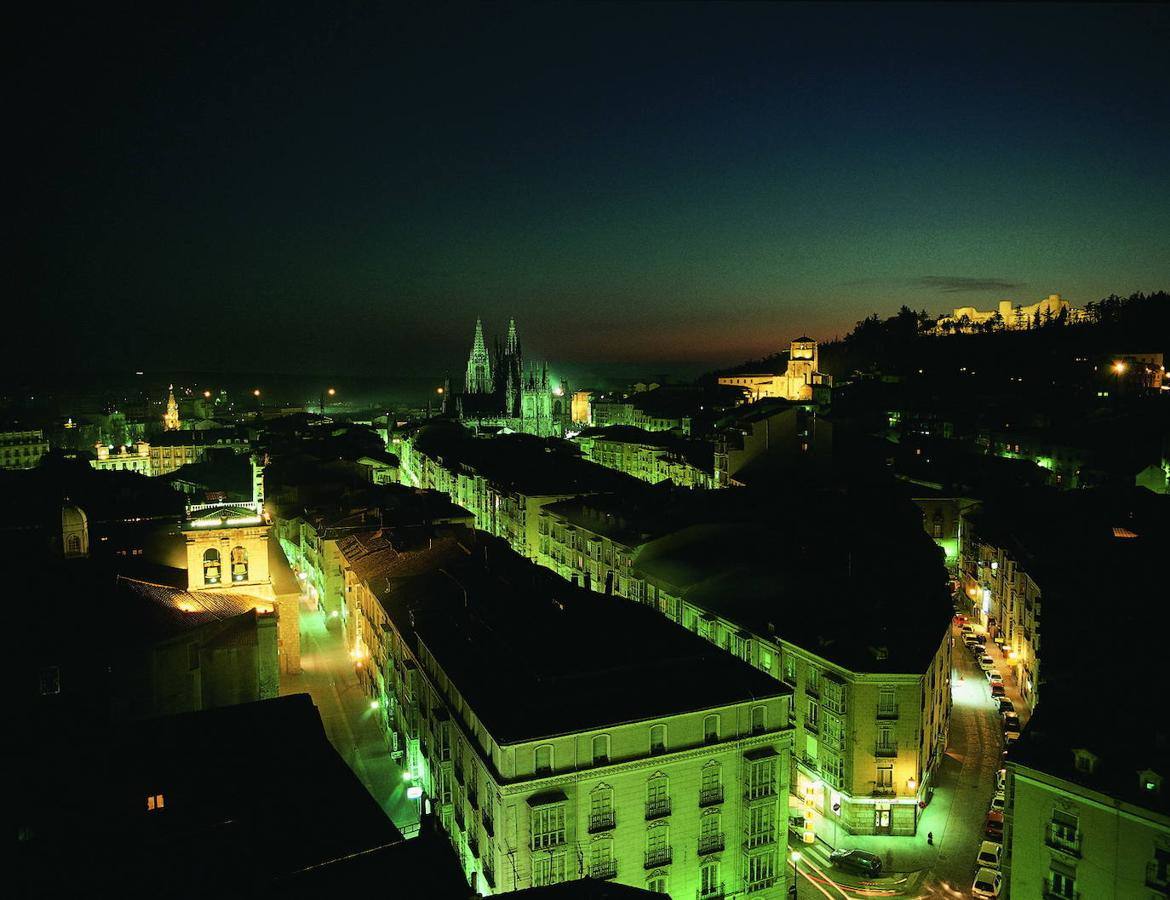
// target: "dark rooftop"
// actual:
[[497, 625]]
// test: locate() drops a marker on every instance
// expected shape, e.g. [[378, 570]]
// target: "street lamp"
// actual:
[[256, 393], [332, 392], [795, 872], [911, 784]]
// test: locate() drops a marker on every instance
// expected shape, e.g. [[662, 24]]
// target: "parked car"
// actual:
[[986, 663], [967, 630], [994, 677], [989, 852], [997, 802], [960, 619], [1006, 705], [860, 861], [997, 689], [993, 827], [1000, 780], [1011, 722], [987, 883]]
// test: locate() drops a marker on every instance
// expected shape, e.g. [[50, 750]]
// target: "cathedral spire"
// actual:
[[479, 366], [171, 419], [513, 346]]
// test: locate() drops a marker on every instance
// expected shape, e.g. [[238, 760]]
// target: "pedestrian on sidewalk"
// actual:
[[930, 838]]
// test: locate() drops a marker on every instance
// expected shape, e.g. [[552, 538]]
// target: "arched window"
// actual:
[[657, 739], [73, 545], [601, 749], [239, 564], [211, 566], [544, 759]]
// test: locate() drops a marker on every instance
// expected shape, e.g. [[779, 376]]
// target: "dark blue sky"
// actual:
[[344, 191]]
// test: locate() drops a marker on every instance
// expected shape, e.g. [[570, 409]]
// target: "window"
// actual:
[[709, 885], [657, 885], [155, 802], [711, 786], [1062, 884], [813, 717], [761, 825], [657, 739], [50, 680], [73, 545], [1063, 831], [885, 778], [657, 796], [601, 749], [765, 659], [543, 763], [239, 564], [887, 703], [192, 657], [759, 720], [790, 668], [658, 845], [812, 681], [710, 832], [601, 808], [760, 871], [211, 566], [548, 869], [601, 861], [710, 729], [548, 826], [761, 780]]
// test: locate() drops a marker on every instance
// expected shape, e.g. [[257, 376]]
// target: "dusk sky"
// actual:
[[322, 190]]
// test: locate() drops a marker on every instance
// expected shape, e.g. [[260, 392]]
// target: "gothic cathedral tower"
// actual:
[[479, 365], [171, 419]]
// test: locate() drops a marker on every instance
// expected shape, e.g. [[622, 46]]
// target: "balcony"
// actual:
[[660, 857], [489, 876], [710, 843], [711, 796], [599, 822], [1065, 840], [459, 773], [603, 870], [889, 711], [459, 817], [713, 892], [473, 845], [885, 750], [656, 809], [473, 799], [488, 825], [760, 884]]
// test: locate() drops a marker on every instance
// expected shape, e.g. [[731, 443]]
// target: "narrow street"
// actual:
[[955, 816], [328, 676]]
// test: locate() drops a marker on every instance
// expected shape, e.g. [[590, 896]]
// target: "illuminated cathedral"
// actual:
[[500, 391]]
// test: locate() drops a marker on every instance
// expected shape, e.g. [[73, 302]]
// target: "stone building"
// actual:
[[649, 456], [1010, 316], [550, 746], [797, 382], [228, 550], [22, 449]]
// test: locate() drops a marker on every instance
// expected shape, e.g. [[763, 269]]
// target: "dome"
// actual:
[[74, 532]]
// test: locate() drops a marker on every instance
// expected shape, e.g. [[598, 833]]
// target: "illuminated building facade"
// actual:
[[647, 457], [1052, 309], [870, 725], [22, 449], [126, 459], [672, 780], [171, 420], [173, 449], [228, 551], [508, 394], [797, 382]]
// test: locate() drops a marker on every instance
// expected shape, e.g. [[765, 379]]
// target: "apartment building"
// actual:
[[653, 457], [871, 701], [503, 481], [22, 449], [551, 746], [1088, 809]]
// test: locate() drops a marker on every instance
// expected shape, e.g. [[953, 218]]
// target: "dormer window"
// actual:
[[1085, 761]]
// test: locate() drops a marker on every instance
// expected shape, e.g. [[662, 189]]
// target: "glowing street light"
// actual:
[[1119, 367], [912, 784], [256, 393], [207, 394], [795, 868]]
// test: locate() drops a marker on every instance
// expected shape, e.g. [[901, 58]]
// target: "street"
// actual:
[[964, 784], [328, 676]]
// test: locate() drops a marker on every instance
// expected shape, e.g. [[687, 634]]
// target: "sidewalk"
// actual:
[[329, 677]]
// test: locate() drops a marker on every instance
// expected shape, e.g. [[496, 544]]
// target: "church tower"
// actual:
[[171, 419], [479, 366]]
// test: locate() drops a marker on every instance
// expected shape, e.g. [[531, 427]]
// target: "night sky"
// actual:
[[322, 190]]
